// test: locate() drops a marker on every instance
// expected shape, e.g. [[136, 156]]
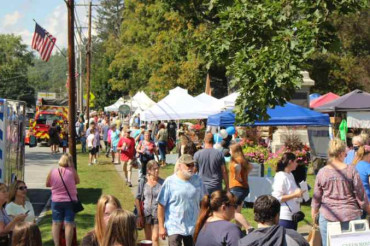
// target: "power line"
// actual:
[[78, 20]]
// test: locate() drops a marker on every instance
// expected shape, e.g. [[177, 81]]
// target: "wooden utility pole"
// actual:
[[88, 66], [72, 84], [81, 95]]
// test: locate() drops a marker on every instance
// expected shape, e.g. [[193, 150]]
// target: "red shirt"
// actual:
[[128, 152]]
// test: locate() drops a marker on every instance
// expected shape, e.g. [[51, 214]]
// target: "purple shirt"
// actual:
[[339, 194]]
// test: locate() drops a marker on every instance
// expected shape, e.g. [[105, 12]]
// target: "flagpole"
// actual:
[[51, 40]]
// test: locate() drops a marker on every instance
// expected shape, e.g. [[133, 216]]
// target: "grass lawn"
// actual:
[[104, 179], [95, 181]]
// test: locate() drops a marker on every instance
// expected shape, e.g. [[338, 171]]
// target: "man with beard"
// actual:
[[178, 203]]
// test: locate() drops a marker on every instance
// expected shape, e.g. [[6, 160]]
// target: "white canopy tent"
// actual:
[[210, 101], [114, 107], [178, 105], [229, 101], [141, 102], [138, 103]]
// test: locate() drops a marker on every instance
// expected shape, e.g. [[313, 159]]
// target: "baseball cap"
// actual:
[[186, 159]]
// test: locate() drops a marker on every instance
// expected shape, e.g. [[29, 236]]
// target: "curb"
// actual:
[[43, 212]]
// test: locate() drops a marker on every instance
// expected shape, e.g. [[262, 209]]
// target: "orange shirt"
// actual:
[[243, 175]]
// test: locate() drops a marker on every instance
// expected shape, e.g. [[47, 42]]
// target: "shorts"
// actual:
[[240, 193], [114, 149], [93, 150], [151, 220], [62, 212]]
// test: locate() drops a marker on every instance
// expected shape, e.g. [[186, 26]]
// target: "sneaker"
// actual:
[[95, 161], [129, 184], [90, 164]]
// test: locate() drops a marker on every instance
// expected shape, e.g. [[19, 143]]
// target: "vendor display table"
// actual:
[[258, 186]]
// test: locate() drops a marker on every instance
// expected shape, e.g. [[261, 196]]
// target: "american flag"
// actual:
[[43, 42]]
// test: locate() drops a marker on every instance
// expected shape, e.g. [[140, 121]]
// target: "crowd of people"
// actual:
[[198, 203]]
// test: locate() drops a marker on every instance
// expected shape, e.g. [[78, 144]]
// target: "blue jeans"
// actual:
[[83, 144], [323, 223], [288, 224], [162, 150], [240, 193], [62, 211]]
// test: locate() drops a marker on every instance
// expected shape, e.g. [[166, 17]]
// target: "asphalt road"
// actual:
[[39, 161]]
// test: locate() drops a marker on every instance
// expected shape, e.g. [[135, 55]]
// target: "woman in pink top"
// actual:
[[339, 194], [61, 204]]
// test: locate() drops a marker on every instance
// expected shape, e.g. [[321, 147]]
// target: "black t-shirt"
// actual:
[[90, 240]]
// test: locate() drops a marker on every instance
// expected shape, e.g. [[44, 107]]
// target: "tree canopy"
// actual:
[[259, 46], [14, 62]]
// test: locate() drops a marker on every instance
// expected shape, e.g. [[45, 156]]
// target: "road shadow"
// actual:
[[38, 198], [36, 156]]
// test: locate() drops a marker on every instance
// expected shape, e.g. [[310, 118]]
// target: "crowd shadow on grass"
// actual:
[[84, 222], [89, 195]]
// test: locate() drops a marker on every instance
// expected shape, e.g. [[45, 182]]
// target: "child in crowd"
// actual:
[[64, 140], [83, 141], [90, 145]]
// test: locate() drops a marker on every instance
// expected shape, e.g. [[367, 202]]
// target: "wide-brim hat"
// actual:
[[186, 159]]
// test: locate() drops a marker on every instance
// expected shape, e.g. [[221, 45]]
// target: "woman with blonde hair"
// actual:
[[6, 223], [121, 229], [213, 227], [238, 181], [106, 205], [338, 194], [18, 201], [63, 181], [26, 234]]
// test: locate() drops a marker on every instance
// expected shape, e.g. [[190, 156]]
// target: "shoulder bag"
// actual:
[[77, 205], [141, 201], [298, 216]]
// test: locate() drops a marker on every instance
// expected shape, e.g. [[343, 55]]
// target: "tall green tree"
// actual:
[[264, 44], [109, 18], [345, 65], [105, 47], [14, 62], [49, 76], [158, 51]]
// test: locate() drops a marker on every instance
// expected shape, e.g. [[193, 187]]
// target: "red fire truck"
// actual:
[[48, 111]]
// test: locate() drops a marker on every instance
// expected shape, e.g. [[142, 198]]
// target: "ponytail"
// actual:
[[284, 161], [360, 153], [211, 203], [203, 215]]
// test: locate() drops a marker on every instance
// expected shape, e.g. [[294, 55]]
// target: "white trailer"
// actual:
[[12, 132]]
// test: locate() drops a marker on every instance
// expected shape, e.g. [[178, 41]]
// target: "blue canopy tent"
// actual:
[[225, 119], [288, 115]]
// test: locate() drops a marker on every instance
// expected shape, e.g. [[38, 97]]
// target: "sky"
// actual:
[[16, 16]]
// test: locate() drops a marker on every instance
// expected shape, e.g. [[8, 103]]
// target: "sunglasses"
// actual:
[[22, 188], [190, 165]]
